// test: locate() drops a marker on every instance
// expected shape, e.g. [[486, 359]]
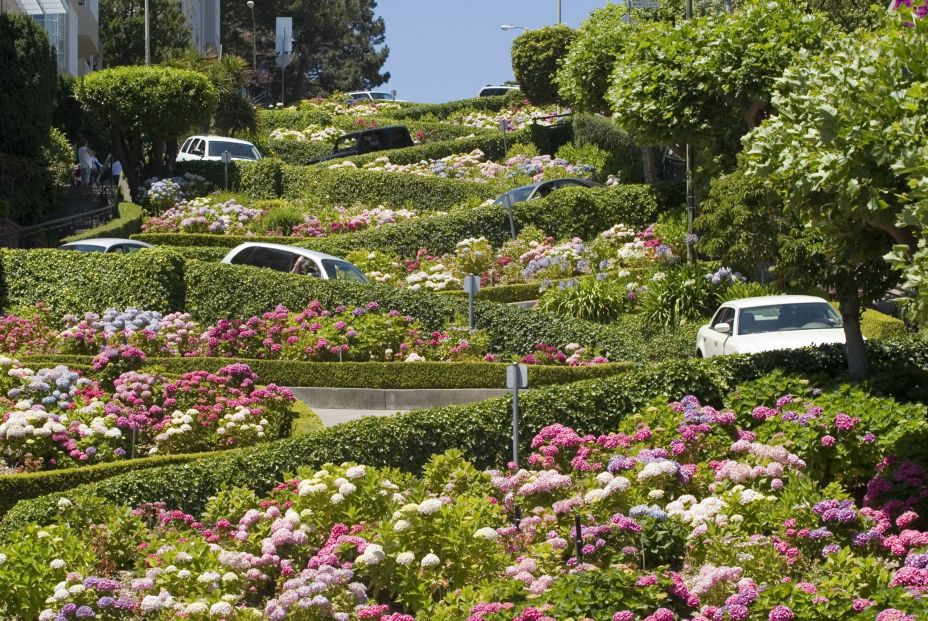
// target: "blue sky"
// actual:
[[442, 49]]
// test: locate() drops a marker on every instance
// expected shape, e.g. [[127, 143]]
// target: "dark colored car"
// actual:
[[368, 141], [540, 190]]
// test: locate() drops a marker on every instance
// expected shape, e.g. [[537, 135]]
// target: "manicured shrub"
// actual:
[[876, 325], [128, 223], [379, 375], [623, 155], [78, 282], [491, 143], [535, 57], [445, 110]]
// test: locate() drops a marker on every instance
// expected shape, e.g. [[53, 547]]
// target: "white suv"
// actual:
[[210, 148]]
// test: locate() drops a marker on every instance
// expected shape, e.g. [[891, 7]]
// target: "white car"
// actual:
[[496, 90], [210, 148], [109, 245], [363, 96], [753, 325], [294, 260]]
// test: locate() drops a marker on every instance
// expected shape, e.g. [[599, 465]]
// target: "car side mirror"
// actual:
[[723, 328]]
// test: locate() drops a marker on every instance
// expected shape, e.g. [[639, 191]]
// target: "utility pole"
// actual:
[[254, 38], [690, 197], [558, 12], [147, 37]]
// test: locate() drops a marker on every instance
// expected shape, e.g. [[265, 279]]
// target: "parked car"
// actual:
[[109, 245], [368, 141], [210, 148], [496, 90], [540, 190], [372, 96], [294, 260], [752, 325]]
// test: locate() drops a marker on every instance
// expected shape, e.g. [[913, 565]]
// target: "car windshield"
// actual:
[[516, 196], [84, 248], [382, 96], [238, 150], [788, 317], [342, 270]]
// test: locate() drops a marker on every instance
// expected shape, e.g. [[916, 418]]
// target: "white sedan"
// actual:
[[753, 325]]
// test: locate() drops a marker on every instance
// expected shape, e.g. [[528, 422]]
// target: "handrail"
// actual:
[[56, 224]]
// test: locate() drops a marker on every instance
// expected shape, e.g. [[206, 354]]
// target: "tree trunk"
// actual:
[[157, 158], [903, 235], [130, 164], [857, 363], [652, 164]]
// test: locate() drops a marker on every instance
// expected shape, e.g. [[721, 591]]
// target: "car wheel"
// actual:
[[699, 354]]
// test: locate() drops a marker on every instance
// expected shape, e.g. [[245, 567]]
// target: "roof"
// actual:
[[770, 300], [306, 252], [224, 138], [106, 242]]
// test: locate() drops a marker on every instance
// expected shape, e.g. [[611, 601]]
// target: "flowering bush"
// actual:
[[516, 118], [203, 215], [56, 418], [685, 512], [158, 195]]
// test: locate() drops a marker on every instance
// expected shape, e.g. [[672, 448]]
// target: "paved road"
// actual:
[[334, 417]]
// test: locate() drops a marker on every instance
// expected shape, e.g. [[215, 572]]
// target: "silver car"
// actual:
[[108, 245], [294, 260]]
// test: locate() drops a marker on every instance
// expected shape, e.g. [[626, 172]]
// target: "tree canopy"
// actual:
[[122, 31], [536, 55], [339, 44], [146, 110], [708, 80]]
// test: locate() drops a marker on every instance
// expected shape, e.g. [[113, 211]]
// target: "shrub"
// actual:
[[280, 217], [78, 282], [128, 223], [490, 142], [481, 430], [535, 57], [591, 299], [684, 294], [59, 155], [445, 110], [876, 325], [623, 156]]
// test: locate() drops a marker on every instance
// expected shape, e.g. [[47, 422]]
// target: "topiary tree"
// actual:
[[146, 110], [847, 155], [535, 58], [708, 81], [28, 72]]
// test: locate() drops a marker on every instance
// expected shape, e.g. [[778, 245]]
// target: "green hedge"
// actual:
[[379, 375], [566, 213], [877, 325], [460, 106], [259, 180], [347, 186], [128, 223], [503, 294], [205, 252], [624, 156], [490, 143], [480, 430], [78, 282]]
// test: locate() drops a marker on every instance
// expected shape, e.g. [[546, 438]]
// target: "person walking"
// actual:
[[85, 159], [117, 172]]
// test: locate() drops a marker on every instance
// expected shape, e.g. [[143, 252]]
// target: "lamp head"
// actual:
[[506, 27], [250, 4]]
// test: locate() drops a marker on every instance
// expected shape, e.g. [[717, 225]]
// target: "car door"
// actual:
[[198, 149], [714, 341]]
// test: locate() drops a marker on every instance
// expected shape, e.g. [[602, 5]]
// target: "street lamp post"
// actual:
[[690, 196], [558, 11], [507, 27], [254, 37], [147, 37]]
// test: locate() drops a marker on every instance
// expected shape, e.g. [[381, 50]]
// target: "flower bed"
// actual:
[[159, 194], [363, 333], [54, 417], [516, 118], [684, 512], [474, 166]]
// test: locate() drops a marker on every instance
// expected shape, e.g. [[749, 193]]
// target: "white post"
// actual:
[[147, 37]]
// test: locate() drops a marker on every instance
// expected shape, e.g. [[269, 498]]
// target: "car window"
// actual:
[[271, 258], [382, 96], [197, 148], [517, 195], [238, 150], [186, 145], [116, 249], [132, 247], [723, 315], [342, 270], [789, 317], [83, 248]]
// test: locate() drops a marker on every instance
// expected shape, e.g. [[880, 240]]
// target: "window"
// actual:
[[83, 248], [56, 25], [271, 258], [724, 315], [186, 145], [198, 148], [789, 317], [342, 270], [127, 248], [238, 150], [381, 96]]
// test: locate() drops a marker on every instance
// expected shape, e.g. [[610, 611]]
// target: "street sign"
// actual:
[[516, 376], [226, 157], [283, 60], [645, 4], [471, 284], [283, 40]]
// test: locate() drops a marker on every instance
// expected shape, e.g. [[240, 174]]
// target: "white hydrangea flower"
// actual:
[[401, 526], [429, 506], [373, 554], [486, 533], [57, 563], [337, 499], [430, 560], [405, 558], [355, 472]]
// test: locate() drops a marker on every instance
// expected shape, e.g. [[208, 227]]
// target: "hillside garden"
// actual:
[[156, 466]]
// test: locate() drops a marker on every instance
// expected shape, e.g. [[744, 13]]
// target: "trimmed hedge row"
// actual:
[[78, 282], [503, 294], [380, 375], [480, 430], [128, 223], [490, 143], [259, 180], [444, 110], [347, 186]]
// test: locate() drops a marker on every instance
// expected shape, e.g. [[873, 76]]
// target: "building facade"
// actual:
[[73, 27], [203, 18]]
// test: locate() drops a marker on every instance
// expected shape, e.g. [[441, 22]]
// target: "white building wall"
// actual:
[[203, 18]]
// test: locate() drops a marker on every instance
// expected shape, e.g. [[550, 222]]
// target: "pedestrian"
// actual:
[[85, 159], [117, 172]]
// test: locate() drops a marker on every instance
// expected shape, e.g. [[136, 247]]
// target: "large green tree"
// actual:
[[848, 154], [536, 55], [229, 75], [339, 44], [708, 80], [122, 31], [146, 110]]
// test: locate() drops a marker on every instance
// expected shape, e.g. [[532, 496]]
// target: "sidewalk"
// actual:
[[334, 417]]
